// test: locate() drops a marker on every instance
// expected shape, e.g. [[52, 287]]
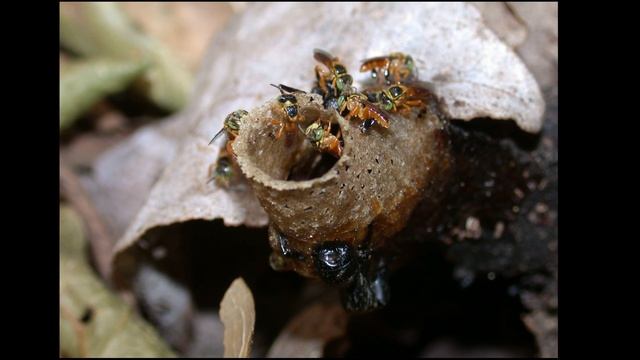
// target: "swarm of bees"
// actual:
[[396, 89]]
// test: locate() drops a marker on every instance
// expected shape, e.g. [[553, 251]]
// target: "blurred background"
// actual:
[[129, 67]]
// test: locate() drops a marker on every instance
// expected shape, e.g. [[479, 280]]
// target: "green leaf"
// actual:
[[93, 321], [103, 30], [84, 83]]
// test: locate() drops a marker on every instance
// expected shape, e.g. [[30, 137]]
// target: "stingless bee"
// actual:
[[333, 80], [322, 138], [401, 98], [393, 68], [358, 105], [231, 127], [223, 171], [291, 111]]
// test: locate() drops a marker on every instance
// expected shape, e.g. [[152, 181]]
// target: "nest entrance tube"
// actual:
[[368, 193]]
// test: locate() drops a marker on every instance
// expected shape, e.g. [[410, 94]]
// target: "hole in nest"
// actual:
[[293, 156]]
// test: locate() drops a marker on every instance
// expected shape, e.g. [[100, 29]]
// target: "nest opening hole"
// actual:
[[288, 153], [313, 168]]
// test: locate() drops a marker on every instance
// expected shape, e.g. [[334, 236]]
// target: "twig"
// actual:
[[99, 237]]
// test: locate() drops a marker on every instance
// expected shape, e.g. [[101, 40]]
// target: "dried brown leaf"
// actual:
[[476, 75], [237, 312]]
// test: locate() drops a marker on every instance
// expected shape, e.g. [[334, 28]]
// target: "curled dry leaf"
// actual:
[[237, 312], [308, 333], [475, 73]]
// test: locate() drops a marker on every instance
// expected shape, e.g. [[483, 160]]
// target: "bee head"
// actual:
[[343, 81], [291, 110], [387, 104], [315, 132], [233, 120], [396, 91], [289, 104], [340, 69], [287, 98]]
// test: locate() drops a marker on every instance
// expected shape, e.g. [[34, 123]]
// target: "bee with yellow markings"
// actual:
[[322, 138], [402, 98], [357, 105], [290, 111], [394, 68], [223, 171], [231, 127], [334, 80]]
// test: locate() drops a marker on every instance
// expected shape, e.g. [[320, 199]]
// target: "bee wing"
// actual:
[[380, 115], [372, 92], [279, 87], [289, 89], [373, 63], [422, 90], [323, 57]]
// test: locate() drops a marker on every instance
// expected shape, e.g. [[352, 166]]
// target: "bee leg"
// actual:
[[334, 146], [279, 133], [355, 112], [328, 128], [280, 128], [229, 148]]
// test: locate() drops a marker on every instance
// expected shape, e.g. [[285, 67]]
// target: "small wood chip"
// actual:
[[237, 312]]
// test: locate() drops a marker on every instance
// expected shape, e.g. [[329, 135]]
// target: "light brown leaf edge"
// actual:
[[307, 334], [501, 18], [186, 28], [539, 22], [237, 313], [475, 73], [93, 321]]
